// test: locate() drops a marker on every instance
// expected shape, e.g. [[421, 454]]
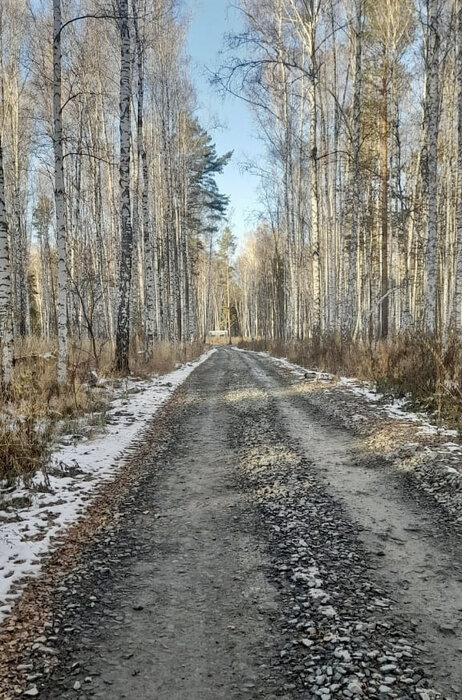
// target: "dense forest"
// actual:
[[113, 230], [360, 104], [108, 199]]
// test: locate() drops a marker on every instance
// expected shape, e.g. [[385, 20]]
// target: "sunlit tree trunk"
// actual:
[[125, 269], [149, 291], [384, 176], [458, 280], [6, 319], [314, 184], [60, 206], [432, 124], [353, 299]]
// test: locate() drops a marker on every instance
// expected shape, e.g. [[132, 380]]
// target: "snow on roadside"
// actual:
[[431, 454], [76, 470], [395, 408]]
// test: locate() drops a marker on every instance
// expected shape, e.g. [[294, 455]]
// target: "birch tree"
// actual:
[[432, 115], [60, 204], [6, 320], [457, 307], [352, 300], [125, 270]]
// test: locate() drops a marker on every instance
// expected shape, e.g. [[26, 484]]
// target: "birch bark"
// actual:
[[458, 280], [6, 319], [60, 205], [126, 243], [432, 118], [146, 219], [356, 182], [314, 205]]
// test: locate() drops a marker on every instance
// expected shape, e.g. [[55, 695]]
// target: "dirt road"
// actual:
[[258, 555]]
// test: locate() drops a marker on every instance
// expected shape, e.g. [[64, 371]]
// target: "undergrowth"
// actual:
[[24, 448], [424, 370], [37, 405]]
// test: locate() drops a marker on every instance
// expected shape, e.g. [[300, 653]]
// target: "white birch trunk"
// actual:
[[353, 300], [149, 291], [6, 319], [458, 280], [125, 269], [59, 195], [314, 205], [433, 96]]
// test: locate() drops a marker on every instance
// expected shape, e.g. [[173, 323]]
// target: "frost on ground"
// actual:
[[41, 513], [339, 632], [429, 453]]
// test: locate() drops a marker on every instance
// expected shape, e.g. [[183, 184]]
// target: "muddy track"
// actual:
[[256, 555]]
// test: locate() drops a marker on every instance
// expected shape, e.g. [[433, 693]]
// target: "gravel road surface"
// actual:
[[258, 554]]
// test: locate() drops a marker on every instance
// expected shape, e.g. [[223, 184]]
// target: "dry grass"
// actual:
[[222, 340], [23, 448], [36, 402], [415, 366], [165, 358]]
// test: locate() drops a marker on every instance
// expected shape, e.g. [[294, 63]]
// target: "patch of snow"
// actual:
[[365, 391], [395, 408], [451, 470], [27, 533], [452, 447]]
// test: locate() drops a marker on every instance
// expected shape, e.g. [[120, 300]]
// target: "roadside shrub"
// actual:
[[36, 403], [412, 365], [165, 357], [23, 448]]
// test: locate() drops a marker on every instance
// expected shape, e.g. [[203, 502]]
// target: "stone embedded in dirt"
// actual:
[[354, 687], [306, 642], [388, 668], [31, 692], [448, 627], [327, 611]]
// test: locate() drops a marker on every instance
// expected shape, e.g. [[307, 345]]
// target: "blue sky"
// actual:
[[228, 119]]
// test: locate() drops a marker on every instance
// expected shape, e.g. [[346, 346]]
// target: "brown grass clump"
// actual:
[[36, 403], [23, 448], [164, 358]]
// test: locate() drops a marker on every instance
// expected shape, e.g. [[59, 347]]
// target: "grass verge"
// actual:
[[426, 371], [36, 404]]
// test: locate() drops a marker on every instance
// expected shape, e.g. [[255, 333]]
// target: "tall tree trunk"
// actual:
[[150, 292], [60, 206], [125, 270], [432, 119], [385, 303], [228, 301], [352, 301], [6, 319], [458, 281], [314, 195]]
